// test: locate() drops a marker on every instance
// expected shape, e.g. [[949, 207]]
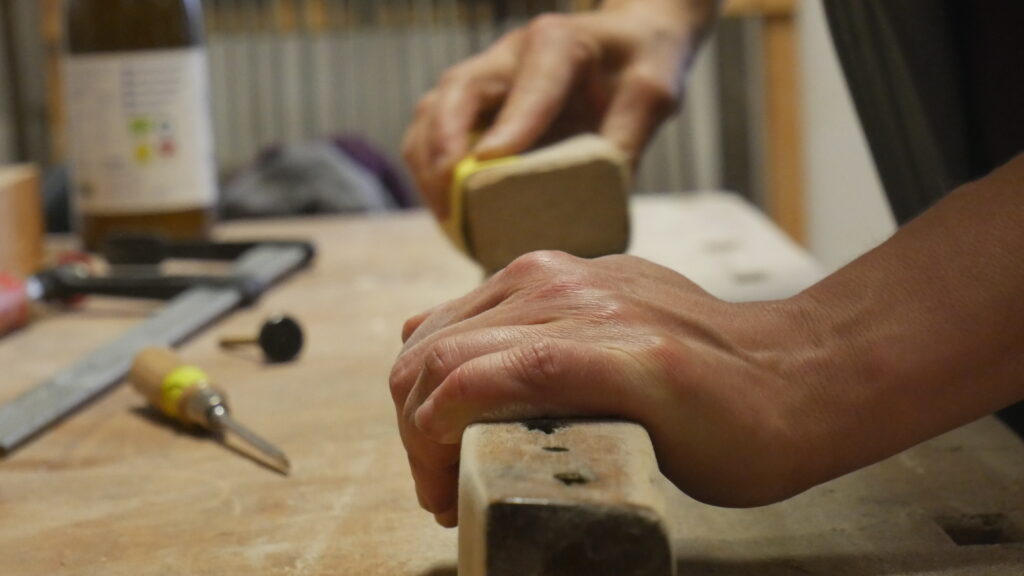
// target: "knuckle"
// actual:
[[398, 382], [440, 359], [540, 262], [536, 362], [457, 387], [452, 75], [557, 30], [547, 26]]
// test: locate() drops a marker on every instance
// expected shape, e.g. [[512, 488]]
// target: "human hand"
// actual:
[[717, 385], [617, 71]]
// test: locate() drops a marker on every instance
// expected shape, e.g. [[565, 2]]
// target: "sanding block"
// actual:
[[572, 196]]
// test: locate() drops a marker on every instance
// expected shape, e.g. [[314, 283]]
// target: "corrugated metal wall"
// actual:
[[287, 70], [284, 72]]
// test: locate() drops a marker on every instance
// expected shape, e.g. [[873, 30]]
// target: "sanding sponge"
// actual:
[[572, 196]]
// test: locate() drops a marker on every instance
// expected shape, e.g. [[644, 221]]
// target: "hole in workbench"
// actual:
[[545, 426], [980, 529], [555, 449], [571, 478]]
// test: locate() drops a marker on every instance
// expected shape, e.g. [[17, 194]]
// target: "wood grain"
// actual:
[[572, 196], [114, 490], [561, 498], [21, 220], [784, 148]]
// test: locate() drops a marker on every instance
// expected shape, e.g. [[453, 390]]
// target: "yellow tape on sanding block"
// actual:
[[455, 225]]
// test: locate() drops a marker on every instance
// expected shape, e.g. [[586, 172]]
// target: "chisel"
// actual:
[[185, 394]]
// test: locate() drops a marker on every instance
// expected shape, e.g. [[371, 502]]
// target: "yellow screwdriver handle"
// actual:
[[160, 376]]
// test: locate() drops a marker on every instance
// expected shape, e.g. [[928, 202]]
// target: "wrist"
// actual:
[[819, 404]]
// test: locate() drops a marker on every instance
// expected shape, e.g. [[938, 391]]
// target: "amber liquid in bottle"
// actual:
[[137, 86]]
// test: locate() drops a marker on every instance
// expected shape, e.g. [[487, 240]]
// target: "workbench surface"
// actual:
[[114, 490]]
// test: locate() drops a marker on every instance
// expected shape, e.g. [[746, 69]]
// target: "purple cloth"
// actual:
[[380, 166]]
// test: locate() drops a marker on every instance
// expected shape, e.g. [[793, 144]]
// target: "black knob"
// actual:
[[280, 338]]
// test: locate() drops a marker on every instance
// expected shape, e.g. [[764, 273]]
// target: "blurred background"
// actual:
[[767, 112]]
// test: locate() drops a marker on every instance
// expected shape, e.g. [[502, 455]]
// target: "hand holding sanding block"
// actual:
[[572, 196], [572, 498]]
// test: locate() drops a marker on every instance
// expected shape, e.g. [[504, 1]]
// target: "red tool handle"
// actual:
[[14, 304]]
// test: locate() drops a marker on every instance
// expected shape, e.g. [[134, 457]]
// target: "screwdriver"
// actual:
[[184, 393]]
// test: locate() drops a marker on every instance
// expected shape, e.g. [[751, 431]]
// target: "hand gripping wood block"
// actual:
[[561, 498], [572, 196]]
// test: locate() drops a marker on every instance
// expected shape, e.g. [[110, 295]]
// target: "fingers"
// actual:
[[449, 519], [419, 156], [499, 374], [466, 92], [434, 466], [640, 104], [445, 118], [553, 58], [547, 377], [418, 372]]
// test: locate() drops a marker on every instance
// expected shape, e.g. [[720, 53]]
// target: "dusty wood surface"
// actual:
[[112, 491], [572, 498]]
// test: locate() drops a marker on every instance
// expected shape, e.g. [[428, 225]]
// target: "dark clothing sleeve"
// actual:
[[939, 88], [904, 73]]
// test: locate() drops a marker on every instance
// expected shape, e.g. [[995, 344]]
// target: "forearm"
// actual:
[[926, 332]]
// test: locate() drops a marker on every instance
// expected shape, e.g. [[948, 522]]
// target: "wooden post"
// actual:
[[572, 498], [784, 147], [21, 220], [52, 29]]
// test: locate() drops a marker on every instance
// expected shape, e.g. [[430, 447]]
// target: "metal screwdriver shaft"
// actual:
[[277, 458], [185, 394]]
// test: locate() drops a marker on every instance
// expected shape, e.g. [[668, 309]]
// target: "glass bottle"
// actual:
[[139, 129]]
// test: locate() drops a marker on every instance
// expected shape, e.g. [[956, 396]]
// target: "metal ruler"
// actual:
[[188, 313]]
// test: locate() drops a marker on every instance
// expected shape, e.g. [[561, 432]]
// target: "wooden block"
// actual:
[[21, 220], [561, 498], [572, 196]]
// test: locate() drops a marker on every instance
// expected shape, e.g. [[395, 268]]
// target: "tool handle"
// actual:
[[14, 304], [158, 287], [168, 383]]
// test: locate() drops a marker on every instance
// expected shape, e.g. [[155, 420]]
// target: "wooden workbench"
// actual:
[[114, 491]]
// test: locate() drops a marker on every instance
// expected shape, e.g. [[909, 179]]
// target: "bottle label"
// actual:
[[139, 132]]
